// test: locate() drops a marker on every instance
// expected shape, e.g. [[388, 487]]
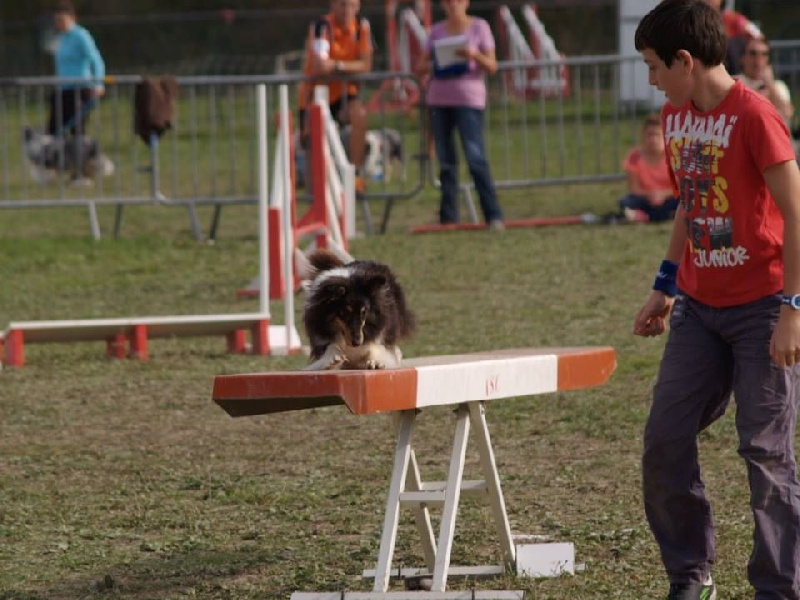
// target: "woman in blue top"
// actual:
[[76, 56]]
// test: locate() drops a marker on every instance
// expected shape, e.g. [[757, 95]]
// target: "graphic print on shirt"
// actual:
[[696, 145]]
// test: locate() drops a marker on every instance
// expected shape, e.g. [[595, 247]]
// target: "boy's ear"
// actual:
[[685, 58]]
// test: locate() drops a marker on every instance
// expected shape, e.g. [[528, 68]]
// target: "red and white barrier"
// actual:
[[129, 336], [406, 35], [330, 219], [550, 80]]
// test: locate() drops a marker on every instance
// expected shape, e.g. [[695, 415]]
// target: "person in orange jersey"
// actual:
[[339, 45]]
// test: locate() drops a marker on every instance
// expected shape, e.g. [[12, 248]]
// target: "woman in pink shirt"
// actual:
[[457, 99], [650, 196]]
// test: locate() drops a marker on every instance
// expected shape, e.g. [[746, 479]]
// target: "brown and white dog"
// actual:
[[355, 313]]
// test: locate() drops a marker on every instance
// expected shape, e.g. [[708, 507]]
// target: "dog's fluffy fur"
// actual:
[[49, 156], [354, 315]]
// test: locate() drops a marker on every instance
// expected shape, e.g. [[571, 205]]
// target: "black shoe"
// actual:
[[693, 591]]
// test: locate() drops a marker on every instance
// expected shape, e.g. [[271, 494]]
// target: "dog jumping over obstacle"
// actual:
[[355, 313]]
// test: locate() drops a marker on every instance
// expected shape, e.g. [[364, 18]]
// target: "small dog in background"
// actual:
[[50, 157], [384, 154], [355, 313]]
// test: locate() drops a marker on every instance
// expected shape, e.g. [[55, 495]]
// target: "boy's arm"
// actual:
[[651, 318], [783, 181]]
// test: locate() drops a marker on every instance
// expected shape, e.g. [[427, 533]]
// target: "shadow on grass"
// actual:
[[205, 573]]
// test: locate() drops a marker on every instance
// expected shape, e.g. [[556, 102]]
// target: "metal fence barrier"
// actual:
[[207, 158], [536, 135]]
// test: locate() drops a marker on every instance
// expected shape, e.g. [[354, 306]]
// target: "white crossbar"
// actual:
[[88, 330]]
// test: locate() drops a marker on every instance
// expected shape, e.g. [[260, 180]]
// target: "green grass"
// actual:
[[121, 479]]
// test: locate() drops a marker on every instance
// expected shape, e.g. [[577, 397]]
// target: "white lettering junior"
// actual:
[[721, 257]]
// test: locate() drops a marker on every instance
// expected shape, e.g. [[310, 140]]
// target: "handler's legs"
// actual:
[[766, 400], [692, 391]]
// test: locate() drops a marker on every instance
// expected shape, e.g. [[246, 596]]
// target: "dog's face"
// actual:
[[349, 305], [38, 146]]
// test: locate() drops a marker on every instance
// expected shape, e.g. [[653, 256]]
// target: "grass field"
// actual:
[[121, 479]]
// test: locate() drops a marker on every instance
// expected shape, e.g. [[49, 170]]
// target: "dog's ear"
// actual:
[[323, 260]]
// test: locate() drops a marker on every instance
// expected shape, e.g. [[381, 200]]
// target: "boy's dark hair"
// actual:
[[691, 25], [64, 7]]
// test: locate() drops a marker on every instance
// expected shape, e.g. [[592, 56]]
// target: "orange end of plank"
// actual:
[[577, 370]]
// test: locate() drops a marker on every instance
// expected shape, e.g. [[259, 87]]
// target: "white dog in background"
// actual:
[[51, 157], [384, 154]]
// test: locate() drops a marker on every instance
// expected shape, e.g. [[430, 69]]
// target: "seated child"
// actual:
[[649, 196]]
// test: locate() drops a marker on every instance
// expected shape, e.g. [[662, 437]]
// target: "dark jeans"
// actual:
[[711, 352], [469, 123], [665, 212], [69, 111]]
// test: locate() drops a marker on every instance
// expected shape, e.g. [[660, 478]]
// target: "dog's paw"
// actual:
[[338, 361], [374, 365]]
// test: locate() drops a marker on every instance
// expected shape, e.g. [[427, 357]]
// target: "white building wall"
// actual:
[[633, 85]]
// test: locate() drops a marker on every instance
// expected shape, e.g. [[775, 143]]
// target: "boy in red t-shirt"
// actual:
[[731, 287], [649, 196]]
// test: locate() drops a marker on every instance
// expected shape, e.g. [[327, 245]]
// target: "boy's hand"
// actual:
[[651, 319], [784, 347]]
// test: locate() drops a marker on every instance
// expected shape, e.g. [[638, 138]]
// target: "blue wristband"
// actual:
[[666, 278]]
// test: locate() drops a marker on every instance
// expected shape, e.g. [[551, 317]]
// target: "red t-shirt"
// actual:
[[651, 177], [735, 229]]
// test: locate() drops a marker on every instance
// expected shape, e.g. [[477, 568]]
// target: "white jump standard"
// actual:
[[467, 381]]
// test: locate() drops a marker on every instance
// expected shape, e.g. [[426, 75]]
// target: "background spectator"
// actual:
[[340, 43], [457, 101], [650, 196], [757, 74], [738, 29], [76, 56]]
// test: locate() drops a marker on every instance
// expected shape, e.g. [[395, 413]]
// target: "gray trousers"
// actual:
[[711, 352]]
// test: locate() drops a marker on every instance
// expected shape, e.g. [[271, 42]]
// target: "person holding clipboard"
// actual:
[[459, 53]]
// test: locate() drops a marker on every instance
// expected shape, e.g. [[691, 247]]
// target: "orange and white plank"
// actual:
[[466, 380], [430, 381]]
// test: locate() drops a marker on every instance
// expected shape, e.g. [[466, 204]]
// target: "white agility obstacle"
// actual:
[[406, 34], [330, 220], [128, 337], [466, 382], [547, 80]]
